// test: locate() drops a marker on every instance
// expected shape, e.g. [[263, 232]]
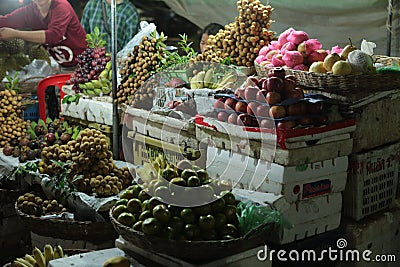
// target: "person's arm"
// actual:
[[30, 36]]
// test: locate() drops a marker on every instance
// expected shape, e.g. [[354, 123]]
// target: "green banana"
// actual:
[[89, 85], [104, 74], [108, 65], [106, 90], [110, 74], [39, 257], [98, 92], [96, 83], [82, 86]]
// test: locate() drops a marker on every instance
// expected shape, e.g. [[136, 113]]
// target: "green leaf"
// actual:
[[33, 125], [65, 125], [48, 120], [41, 122], [56, 135]]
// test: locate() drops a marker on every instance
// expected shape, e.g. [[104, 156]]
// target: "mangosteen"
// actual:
[[23, 157], [24, 141], [16, 152], [50, 138], [38, 153], [30, 155], [39, 130], [8, 150], [14, 142], [59, 131], [33, 144], [65, 137]]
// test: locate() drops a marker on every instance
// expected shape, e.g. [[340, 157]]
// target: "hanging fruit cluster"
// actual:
[[242, 39], [91, 160], [140, 64]]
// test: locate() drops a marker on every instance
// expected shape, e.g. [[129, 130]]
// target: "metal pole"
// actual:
[[389, 28], [115, 128]]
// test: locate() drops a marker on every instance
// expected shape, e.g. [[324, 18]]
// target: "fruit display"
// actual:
[[242, 39], [13, 125], [209, 79], [35, 205], [296, 50], [40, 258], [140, 64], [268, 102], [93, 73], [91, 168]]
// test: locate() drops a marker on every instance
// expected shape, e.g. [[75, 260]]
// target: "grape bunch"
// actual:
[[91, 62]]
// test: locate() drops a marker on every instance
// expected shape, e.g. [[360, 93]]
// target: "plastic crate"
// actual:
[[31, 110], [372, 181]]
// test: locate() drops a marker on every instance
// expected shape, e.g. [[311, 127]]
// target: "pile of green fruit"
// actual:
[[144, 207]]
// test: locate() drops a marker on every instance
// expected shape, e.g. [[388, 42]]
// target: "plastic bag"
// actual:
[[252, 215]]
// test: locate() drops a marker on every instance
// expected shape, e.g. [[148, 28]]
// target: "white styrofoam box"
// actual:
[[91, 110], [245, 258], [295, 183], [39, 241], [379, 233], [372, 181], [289, 148], [164, 128], [308, 217]]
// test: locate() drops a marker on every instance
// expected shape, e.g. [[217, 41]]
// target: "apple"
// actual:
[[295, 93], [241, 107], [260, 96], [275, 84], [278, 72], [277, 112], [315, 108], [261, 81], [289, 84], [230, 104], [263, 111], [252, 108], [222, 116], [286, 125], [273, 98], [232, 118], [296, 109], [219, 103], [239, 93], [266, 123], [305, 121], [264, 84], [251, 81], [244, 119], [250, 92]]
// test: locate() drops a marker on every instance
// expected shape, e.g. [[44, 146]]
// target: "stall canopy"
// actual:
[[332, 22]]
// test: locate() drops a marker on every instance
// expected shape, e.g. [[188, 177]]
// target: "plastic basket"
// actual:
[[31, 112], [372, 181]]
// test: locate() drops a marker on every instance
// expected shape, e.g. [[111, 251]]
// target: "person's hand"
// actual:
[[7, 33]]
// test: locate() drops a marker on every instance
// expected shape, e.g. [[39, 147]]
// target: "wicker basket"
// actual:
[[94, 232], [196, 251], [345, 84]]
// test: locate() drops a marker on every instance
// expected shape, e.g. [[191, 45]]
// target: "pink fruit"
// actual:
[[260, 59], [277, 60], [301, 67], [282, 39], [275, 45], [292, 58], [263, 51], [271, 53], [250, 92], [336, 49], [297, 37], [312, 45], [315, 56]]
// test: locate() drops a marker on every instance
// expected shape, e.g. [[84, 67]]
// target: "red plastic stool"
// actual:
[[57, 80]]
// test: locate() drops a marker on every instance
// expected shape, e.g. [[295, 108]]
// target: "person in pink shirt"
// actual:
[[52, 23]]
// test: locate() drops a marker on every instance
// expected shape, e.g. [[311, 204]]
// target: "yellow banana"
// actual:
[[39, 257], [194, 81], [104, 74], [48, 253], [22, 262], [200, 79], [58, 252], [208, 78], [110, 74], [117, 261], [30, 259], [227, 79]]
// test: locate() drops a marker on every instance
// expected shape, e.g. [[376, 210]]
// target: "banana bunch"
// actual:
[[151, 170], [101, 86], [39, 258], [207, 79]]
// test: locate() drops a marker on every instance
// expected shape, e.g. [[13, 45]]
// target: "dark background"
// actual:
[[155, 11]]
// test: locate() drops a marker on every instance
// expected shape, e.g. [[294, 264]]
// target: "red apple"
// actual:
[[273, 98], [296, 109], [244, 119], [305, 121], [261, 81], [275, 84], [222, 116], [315, 108], [241, 107], [250, 92], [232, 118], [266, 123], [286, 125], [219, 103], [239, 93], [260, 96], [252, 108], [295, 93], [277, 112], [289, 84], [230, 104], [263, 111], [278, 72], [251, 81]]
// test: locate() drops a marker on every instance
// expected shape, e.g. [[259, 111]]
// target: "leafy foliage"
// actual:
[[95, 39], [12, 82]]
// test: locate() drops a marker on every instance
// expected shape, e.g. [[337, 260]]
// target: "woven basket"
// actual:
[[196, 251], [95, 232], [345, 84]]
